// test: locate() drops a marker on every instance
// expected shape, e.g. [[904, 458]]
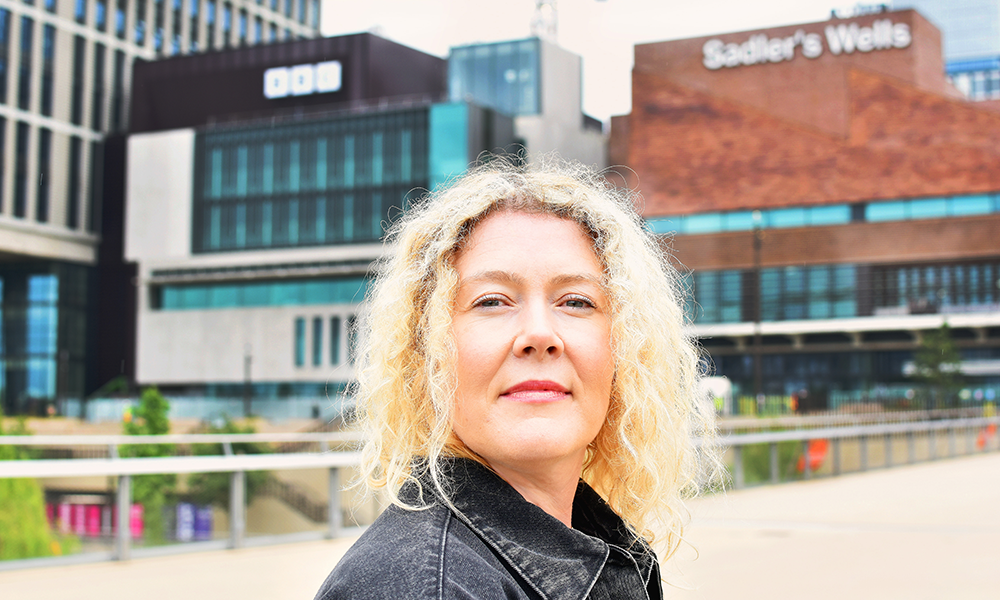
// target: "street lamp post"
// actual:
[[247, 360]]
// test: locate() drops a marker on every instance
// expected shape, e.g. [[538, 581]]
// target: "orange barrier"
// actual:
[[985, 434], [816, 452]]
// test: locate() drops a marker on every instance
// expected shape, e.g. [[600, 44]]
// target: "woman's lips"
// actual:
[[535, 391]]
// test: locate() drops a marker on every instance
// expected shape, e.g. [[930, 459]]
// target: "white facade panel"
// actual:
[[158, 184], [210, 346]]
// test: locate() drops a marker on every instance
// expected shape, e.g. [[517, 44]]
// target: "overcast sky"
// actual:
[[602, 31]]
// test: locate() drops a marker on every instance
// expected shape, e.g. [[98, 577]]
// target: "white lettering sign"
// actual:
[[301, 80], [841, 39]]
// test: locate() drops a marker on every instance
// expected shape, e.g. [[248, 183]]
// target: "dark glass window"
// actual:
[[175, 38], [314, 13], [159, 16], [121, 12], [210, 24], [317, 341], [325, 183], [44, 175], [73, 185], [288, 7], [334, 340], [4, 52], [50, 6], [195, 9], [258, 30], [118, 93], [140, 23], [48, 66], [302, 11], [273, 36], [243, 28], [79, 66], [300, 342], [24, 75], [80, 11], [3, 152], [227, 24], [101, 15], [97, 116], [21, 169]]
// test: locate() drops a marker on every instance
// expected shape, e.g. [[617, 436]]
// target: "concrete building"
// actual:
[[254, 212], [833, 197], [65, 72], [540, 85]]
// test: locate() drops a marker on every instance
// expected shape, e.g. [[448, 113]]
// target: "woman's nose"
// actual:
[[538, 334]]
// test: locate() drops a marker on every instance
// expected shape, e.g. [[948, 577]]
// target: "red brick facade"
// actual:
[[833, 129]]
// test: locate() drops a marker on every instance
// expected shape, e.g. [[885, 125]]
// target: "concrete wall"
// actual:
[[559, 127], [190, 346]]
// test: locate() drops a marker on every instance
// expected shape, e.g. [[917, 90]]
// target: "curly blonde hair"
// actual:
[[644, 461]]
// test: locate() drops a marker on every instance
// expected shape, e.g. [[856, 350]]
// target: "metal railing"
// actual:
[[123, 469], [864, 435]]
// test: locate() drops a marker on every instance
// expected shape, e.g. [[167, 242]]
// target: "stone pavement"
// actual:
[[924, 531]]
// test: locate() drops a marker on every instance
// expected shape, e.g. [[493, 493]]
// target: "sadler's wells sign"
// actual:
[[840, 39]]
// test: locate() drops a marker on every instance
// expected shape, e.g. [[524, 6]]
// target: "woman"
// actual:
[[529, 397]]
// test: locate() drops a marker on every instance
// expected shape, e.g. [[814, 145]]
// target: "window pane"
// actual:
[[930, 208], [705, 223], [971, 205], [787, 217], [886, 211]]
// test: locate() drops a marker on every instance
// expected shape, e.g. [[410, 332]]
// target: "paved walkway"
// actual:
[[926, 531]]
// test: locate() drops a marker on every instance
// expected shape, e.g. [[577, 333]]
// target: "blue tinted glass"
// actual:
[[930, 208], [886, 211], [737, 221], [704, 223], [43, 288], [971, 205], [787, 217], [830, 215], [663, 224]]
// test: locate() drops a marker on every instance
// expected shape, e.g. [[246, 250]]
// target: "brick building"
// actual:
[[869, 182]]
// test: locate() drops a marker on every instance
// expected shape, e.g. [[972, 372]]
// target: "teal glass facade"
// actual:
[[255, 294], [319, 183], [502, 76], [831, 214]]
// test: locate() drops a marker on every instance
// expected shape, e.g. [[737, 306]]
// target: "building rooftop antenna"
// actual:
[[545, 21]]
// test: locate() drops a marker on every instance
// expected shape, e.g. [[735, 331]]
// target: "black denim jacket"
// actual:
[[494, 544]]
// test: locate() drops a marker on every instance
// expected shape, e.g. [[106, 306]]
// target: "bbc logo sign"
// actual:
[[302, 80]]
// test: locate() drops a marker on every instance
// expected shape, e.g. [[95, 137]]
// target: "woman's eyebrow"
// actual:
[[499, 276]]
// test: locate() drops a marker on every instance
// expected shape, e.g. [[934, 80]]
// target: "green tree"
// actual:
[[151, 491], [936, 364], [24, 530], [213, 488]]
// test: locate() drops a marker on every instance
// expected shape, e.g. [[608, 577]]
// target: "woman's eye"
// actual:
[[578, 302], [489, 302]]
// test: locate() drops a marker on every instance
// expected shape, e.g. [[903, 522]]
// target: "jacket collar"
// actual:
[[559, 562]]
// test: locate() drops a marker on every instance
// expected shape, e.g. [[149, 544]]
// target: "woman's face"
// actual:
[[533, 334]]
